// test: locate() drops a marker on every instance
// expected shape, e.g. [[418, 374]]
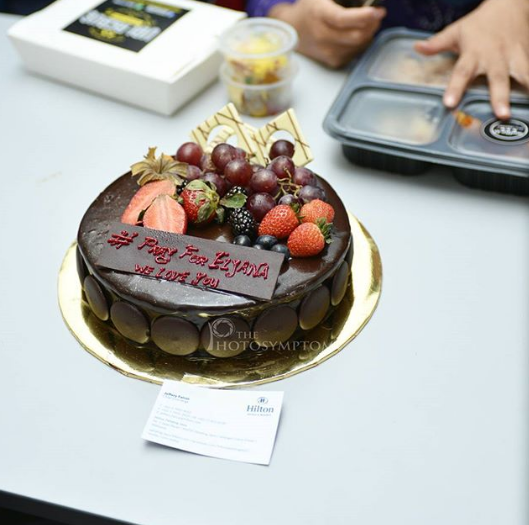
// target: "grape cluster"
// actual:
[[228, 169]]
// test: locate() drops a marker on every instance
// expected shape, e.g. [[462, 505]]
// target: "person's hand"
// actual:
[[328, 32], [492, 40]]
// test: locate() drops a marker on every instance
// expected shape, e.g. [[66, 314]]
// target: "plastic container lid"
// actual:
[[256, 38], [398, 62], [396, 116], [478, 133]]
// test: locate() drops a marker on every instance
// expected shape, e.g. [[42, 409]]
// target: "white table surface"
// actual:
[[423, 419]]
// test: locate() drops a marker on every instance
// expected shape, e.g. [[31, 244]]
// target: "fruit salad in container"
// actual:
[[258, 69], [259, 51], [259, 100]]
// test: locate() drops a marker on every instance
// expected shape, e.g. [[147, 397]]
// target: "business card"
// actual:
[[240, 425]]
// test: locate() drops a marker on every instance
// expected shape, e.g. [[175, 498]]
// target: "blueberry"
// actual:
[[259, 247], [281, 248], [266, 241], [242, 240]]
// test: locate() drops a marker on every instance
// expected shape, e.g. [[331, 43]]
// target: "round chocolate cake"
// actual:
[[183, 319]]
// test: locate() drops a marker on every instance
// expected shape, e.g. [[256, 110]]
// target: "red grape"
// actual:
[[259, 204], [264, 181], [304, 177], [283, 167], [238, 172], [222, 154], [289, 200], [220, 184], [189, 152], [282, 147], [240, 154], [309, 193], [193, 172]]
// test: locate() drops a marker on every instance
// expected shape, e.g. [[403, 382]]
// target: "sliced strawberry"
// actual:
[[144, 197], [166, 214]]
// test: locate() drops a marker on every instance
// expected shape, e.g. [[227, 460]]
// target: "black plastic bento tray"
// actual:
[[494, 174]]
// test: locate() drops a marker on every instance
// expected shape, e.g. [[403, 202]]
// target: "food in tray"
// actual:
[[390, 116], [415, 69], [179, 254]]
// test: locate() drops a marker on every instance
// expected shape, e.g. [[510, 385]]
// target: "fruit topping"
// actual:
[[266, 241], [242, 240], [315, 210], [282, 147], [190, 153], [283, 167], [154, 168], [309, 193], [259, 204], [242, 222], [200, 202], [304, 177], [281, 248], [309, 239], [219, 182], [143, 199], [165, 214], [236, 190], [264, 181], [222, 154], [279, 222], [238, 172], [290, 200]]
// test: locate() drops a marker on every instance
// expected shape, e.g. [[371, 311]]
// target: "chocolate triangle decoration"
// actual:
[[256, 142]]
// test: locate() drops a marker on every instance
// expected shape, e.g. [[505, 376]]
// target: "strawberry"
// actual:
[[144, 197], [316, 209], [309, 239], [200, 202], [165, 214], [280, 222]]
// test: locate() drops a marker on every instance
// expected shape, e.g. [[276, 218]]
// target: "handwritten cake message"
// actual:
[[191, 260]]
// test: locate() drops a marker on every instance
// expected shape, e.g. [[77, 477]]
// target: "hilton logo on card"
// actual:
[[259, 407], [126, 24], [507, 131]]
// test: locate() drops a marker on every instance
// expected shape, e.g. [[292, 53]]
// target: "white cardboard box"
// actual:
[[173, 65]]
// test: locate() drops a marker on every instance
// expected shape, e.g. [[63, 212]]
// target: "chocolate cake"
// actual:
[[220, 318]]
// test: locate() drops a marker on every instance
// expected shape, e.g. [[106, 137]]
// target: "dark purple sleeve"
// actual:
[[262, 7]]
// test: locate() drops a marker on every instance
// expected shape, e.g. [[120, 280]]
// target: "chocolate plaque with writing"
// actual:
[[191, 260]]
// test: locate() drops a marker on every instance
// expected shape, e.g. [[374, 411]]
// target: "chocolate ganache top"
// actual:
[[298, 276]]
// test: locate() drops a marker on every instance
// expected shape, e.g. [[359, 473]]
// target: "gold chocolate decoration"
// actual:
[[288, 122], [256, 142], [251, 367], [230, 124]]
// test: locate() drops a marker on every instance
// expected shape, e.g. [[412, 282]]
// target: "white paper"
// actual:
[[240, 425]]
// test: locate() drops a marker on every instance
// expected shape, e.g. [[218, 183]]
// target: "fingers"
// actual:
[[340, 17], [519, 67], [446, 40], [464, 72], [499, 88]]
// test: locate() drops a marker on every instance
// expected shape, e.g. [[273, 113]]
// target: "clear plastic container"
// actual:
[[397, 116], [260, 100], [477, 133], [398, 62], [259, 51]]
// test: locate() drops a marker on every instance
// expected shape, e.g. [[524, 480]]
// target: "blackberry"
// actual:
[[235, 191], [242, 222], [182, 186]]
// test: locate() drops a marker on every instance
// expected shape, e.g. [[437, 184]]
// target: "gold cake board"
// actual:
[[251, 367]]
